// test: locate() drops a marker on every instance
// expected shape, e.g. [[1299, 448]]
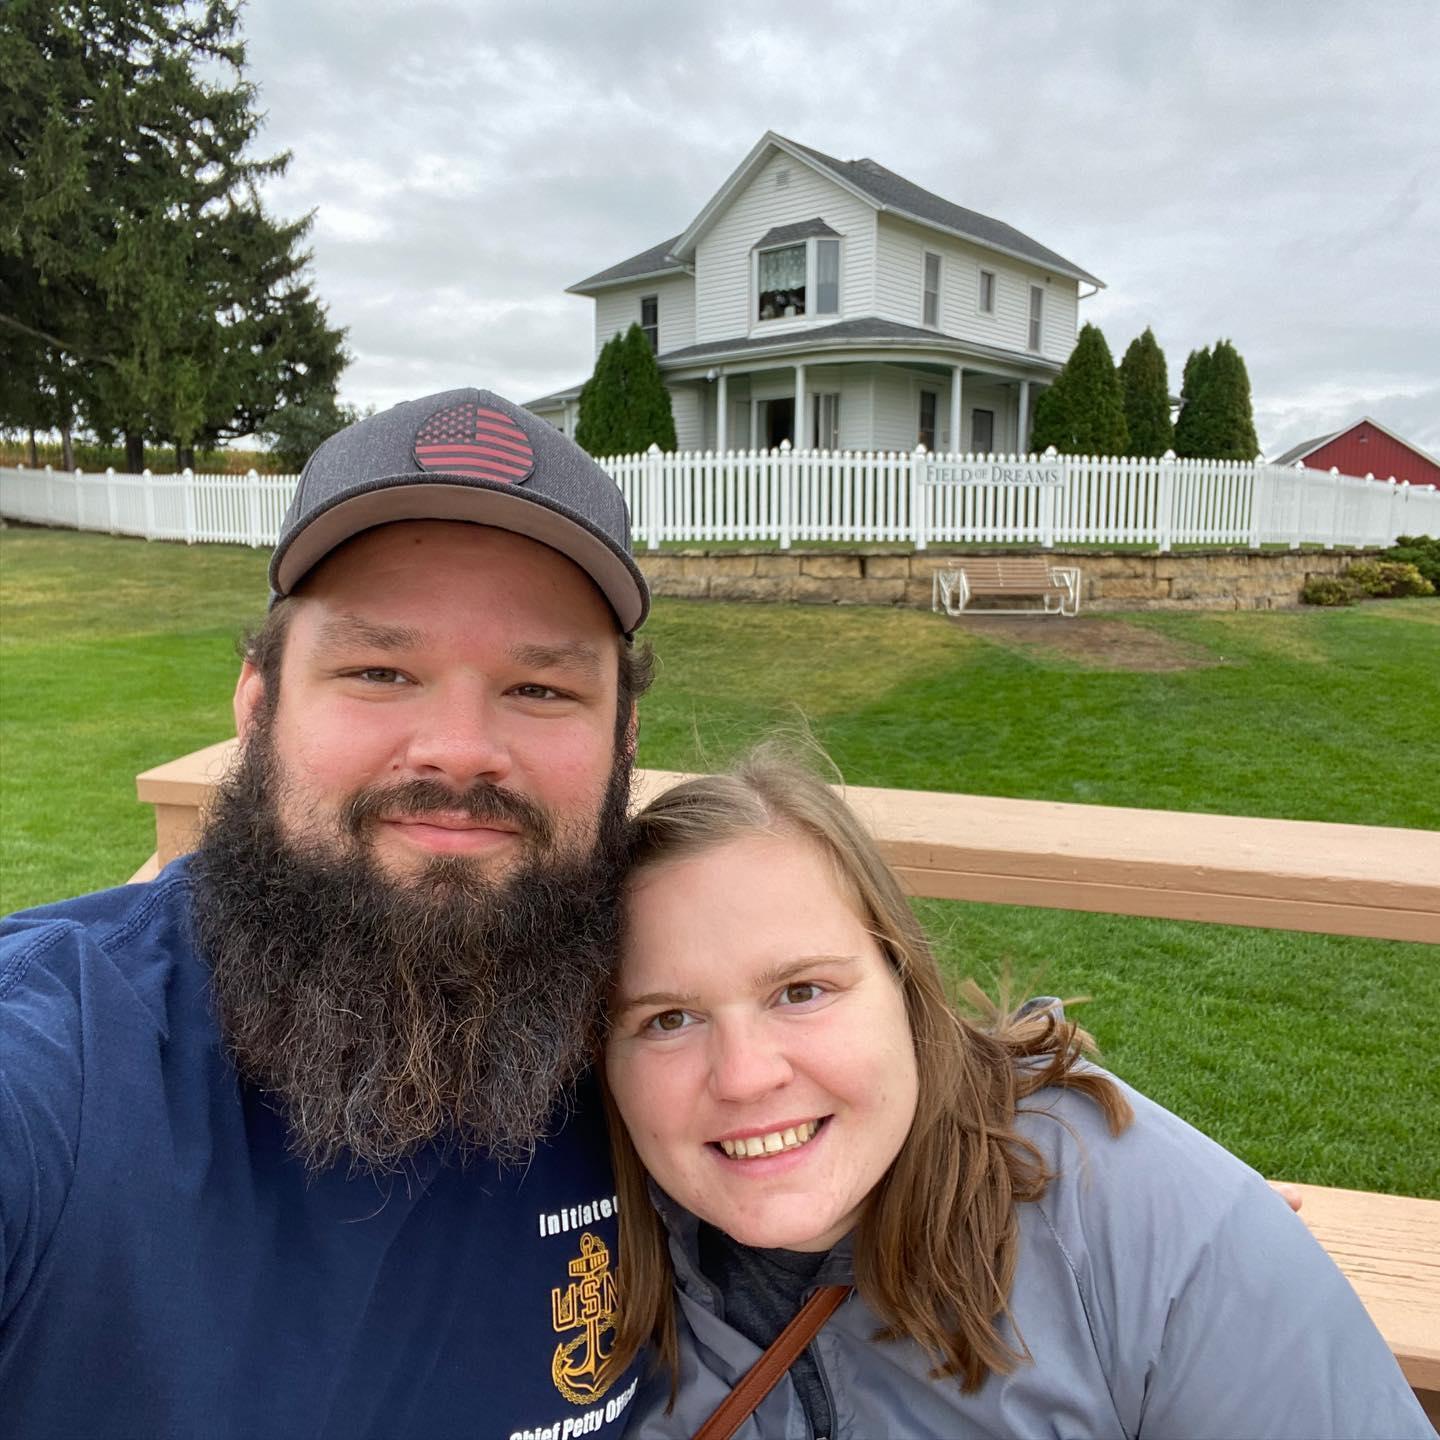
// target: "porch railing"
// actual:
[[787, 496]]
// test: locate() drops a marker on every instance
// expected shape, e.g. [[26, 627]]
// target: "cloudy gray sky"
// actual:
[[1267, 171]]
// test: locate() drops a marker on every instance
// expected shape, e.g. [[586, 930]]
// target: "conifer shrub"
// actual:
[[1217, 420], [1083, 412], [624, 405], [1145, 386]]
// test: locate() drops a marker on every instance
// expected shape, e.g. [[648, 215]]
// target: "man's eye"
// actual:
[[380, 675], [667, 1022], [535, 692], [801, 992]]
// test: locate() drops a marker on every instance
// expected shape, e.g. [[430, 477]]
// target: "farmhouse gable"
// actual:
[[836, 304]]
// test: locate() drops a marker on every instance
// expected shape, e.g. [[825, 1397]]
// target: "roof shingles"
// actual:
[[883, 188]]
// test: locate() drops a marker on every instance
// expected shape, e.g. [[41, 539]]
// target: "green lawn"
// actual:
[[1312, 1056]]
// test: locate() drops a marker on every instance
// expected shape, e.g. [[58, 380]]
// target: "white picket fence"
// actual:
[[786, 496]]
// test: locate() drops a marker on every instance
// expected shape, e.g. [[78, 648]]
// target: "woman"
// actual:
[[1036, 1249]]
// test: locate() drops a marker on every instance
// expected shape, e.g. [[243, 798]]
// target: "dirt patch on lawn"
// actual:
[[1092, 641]]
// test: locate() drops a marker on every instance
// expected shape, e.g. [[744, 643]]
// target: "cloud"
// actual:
[[1262, 172]]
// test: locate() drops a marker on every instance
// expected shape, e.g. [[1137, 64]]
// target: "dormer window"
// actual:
[[797, 272], [782, 282]]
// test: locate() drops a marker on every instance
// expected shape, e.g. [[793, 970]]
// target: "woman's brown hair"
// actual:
[[935, 1250]]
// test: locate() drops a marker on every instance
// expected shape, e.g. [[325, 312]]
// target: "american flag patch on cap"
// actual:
[[477, 441]]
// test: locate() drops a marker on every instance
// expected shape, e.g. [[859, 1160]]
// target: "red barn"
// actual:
[[1366, 448]]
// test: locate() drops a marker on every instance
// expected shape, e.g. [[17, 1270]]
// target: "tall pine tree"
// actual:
[[132, 240], [1146, 389], [1234, 415], [1216, 420], [1083, 412], [624, 405]]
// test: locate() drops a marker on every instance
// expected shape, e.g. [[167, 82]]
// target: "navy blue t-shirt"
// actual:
[[169, 1270]]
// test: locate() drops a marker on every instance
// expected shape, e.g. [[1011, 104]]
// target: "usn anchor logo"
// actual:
[[581, 1368]]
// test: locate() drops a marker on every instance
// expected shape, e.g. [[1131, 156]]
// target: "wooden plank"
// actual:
[[1257, 912], [1389, 1248], [1231, 870], [147, 872]]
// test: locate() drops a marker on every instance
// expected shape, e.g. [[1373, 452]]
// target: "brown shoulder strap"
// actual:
[[763, 1376]]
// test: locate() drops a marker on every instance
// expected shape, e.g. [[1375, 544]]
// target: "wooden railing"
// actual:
[[1279, 874]]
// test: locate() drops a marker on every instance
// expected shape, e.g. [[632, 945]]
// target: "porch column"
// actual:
[[722, 414], [955, 410], [801, 440], [1022, 420]]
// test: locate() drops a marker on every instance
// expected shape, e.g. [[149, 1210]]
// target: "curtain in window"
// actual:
[[783, 269], [782, 282]]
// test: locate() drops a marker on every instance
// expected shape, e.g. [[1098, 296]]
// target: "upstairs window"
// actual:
[[650, 319], [795, 270], [1037, 311], [987, 292], [782, 282], [930, 309], [827, 277]]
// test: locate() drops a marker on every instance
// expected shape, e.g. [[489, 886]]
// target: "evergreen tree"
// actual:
[[132, 237], [1193, 429], [1083, 412], [1229, 383], [624, 405], [1146, 389], [598, 428], [652, 420], [295, 431], [1216, 420]]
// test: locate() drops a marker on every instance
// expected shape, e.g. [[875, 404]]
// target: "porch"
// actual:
[[860, 400]]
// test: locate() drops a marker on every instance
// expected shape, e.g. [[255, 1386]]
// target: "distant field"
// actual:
[[1311, 1056]]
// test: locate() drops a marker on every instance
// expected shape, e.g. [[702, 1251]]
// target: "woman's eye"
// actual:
[[667, 1022], [801, 992]]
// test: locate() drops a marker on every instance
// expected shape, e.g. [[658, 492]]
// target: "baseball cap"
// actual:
[[463, 455]]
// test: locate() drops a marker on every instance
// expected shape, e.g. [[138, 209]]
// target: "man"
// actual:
[[297, 1139]]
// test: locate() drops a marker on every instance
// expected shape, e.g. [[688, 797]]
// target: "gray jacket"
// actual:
[[1162, 1288]]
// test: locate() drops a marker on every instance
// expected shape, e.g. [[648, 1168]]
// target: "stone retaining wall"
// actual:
[[1193, 580]]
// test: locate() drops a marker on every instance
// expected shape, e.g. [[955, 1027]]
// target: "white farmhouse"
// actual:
[[836, 305]]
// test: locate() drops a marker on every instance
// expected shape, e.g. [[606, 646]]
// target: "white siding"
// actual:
[[618, 309], [1061, 318], [899, 282], [722, 258], [897, 407], [689, 423]]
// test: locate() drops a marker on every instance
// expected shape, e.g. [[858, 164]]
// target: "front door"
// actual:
[[778, 422]]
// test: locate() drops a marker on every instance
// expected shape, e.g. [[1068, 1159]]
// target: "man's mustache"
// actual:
[[482, 801]]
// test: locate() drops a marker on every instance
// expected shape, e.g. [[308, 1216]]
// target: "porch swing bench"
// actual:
[[1056, 587]]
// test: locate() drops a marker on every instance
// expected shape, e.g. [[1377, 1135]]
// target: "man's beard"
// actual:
[[384, 1015]]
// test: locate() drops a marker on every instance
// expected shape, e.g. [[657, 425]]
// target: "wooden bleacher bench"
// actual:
[[1388, 1247], [1020, 577]]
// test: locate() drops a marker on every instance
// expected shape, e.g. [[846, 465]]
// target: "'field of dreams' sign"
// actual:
[[997, 472]]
